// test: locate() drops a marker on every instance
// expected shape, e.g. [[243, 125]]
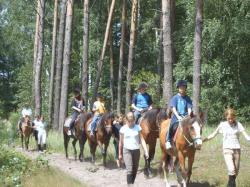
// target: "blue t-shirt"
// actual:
[[142, 100], [181, 103]]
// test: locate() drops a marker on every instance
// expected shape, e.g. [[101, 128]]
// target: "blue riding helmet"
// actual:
[[181, 83]]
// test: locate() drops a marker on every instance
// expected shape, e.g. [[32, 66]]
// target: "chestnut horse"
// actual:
[[150, 124], [102, 135], [188, 140], [26, 131], [78, 135]]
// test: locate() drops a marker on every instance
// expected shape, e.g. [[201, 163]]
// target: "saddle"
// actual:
[[97, 124]]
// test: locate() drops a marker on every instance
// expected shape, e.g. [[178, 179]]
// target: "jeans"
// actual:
[[172, 127], [137, 115], [94, 123], [74, 116]]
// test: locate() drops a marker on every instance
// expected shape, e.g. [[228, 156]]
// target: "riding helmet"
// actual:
[[142, 85], [181, 83]]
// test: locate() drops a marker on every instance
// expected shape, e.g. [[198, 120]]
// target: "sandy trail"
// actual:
[[95, 175]]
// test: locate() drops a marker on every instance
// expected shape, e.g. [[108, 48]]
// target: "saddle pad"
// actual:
[[67, 122]]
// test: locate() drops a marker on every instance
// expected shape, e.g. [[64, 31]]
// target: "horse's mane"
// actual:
[[106, 116], [190, 120], [158, 114], [84, 117]]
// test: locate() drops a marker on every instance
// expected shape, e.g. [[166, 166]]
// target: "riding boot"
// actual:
[[39, 147], [133, 178], [44, 147], [130, 179], [231, 181]]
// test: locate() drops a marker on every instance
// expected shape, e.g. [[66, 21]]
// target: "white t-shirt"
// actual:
[[131, 137], [230, 134], [40, 126]]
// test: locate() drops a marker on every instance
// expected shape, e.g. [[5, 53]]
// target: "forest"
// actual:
[[47, 48]]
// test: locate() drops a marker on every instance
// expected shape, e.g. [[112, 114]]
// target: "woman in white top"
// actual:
[[41, 128], [129, 146], [231, 130]]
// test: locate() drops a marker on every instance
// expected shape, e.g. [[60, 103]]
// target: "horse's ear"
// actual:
[[192, 114]]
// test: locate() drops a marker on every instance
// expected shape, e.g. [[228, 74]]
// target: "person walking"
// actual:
[[231, 130], [129, 146]]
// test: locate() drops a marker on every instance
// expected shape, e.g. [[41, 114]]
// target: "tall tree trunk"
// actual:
[[52, 69], [35, 51], [39, 59], [100, 61], [66, 62], [197, 56], [111, 69], [159, 63], [85, 57], [59, 59], [121, 56], [167, 51], [131, 52]]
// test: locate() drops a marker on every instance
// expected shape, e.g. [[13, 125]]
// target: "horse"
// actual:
[[150, 124], [102, 135], [78, 135], [26, 130], [187, 141]]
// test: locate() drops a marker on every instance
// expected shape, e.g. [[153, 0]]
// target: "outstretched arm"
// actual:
[[212, 135], [144, 146], [246, 135]]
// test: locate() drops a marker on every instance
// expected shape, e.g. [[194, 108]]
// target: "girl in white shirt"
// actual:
[[231, 130], [129, 146]]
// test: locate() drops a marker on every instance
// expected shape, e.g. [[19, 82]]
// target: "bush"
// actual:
[[13, 166]]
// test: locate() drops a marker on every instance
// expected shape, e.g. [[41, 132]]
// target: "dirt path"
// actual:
[[96, 175]]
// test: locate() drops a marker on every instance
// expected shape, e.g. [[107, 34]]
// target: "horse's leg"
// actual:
[[28, 140], [22, 139], [81, 150], [164, 167], [181, 159], [105, 153], [151, 156], [66, 142], [92, 146], [74, 146], [190, 165]]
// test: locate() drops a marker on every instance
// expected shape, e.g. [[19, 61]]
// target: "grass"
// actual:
[[209, 167], [48, 177]]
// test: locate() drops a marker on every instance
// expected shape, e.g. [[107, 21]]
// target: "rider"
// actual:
[[78, 106], [181, 105], [98, 109], [142, 101]]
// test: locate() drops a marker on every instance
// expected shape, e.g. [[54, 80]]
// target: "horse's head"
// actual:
[[192, 126], [107, 121]]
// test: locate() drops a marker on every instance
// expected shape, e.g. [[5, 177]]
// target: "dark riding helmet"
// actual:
[[77, 91], [142, 85], [181, 83], [99, 95]]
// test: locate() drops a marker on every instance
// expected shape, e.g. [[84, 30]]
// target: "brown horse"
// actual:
[[150, 124], [188, 140], [102, 135], [26, 131], [79, 134]]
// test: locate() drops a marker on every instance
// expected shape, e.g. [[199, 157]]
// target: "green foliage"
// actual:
[[13, 166]]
